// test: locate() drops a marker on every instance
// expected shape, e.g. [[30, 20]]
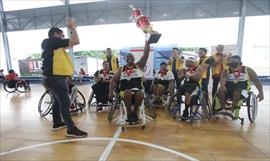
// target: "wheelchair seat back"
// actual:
[[11, 83]]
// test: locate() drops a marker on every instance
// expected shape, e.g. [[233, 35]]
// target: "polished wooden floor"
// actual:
[[221, 139]]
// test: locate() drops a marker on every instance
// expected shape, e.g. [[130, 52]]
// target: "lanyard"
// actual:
[[162, 73], [105, 73], [237, 73], [129, 70]]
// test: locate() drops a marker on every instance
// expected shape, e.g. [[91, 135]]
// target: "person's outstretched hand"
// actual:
[[71, 23]]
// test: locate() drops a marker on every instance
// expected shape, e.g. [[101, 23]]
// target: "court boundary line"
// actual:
[[182, 155], [110, 146]]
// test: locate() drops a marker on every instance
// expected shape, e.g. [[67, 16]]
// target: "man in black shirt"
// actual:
[[58, 83]]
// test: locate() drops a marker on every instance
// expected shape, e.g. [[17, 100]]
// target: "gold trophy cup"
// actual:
[[143, 23]]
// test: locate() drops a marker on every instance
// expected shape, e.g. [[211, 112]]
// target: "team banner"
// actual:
[[30, 67]]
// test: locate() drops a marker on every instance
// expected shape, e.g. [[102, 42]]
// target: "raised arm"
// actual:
[[197, 75], [74, 38], [201, 69], [143, 60], [254, 78]]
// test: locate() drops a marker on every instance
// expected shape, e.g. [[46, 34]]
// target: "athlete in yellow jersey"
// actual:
[[113, 60], [176, 64], [219, 64], [208, 62]]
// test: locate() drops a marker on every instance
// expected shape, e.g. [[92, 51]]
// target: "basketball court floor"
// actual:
[[27, 136]]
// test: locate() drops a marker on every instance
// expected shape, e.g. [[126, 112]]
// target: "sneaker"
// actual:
[[99, 109], [58, 126], [134, 119], [166, 103], [185, 115], [77, 133]]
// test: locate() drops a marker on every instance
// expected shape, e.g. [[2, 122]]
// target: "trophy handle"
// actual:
[[132, 6]]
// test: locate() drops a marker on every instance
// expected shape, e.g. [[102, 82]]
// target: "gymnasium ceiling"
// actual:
[[117, 11]]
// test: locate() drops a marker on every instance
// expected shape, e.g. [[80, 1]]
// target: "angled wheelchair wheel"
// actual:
[[45, 103], [22, 86], [252, 107], [89, 102], [174, 105], [9, 87], [206, 106], [114, 106], [149, 106], [80, 100]]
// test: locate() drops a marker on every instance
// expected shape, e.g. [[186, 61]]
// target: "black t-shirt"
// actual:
[[48, 46], [209, 61]]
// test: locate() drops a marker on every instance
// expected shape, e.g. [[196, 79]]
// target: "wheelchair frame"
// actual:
[[94, 104], [79, 106], [250, 102], [118, 104], [175, 110]]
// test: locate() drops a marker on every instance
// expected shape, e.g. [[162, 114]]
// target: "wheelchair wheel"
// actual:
[[80, 100], [45, 103], [206, 106], [8, 88], [90, 98], [252, 107], [22, 86], [115, 104], [174, 105], [149, 106]]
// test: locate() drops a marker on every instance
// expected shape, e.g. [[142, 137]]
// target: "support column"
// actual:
[[5, 37], [147, 8], [71, 53], [241, 27]]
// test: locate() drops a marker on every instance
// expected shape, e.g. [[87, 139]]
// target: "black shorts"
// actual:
[[232, 87], [188, 88], [101, 91]]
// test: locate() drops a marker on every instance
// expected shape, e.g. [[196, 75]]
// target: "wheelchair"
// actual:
[[118, 112], [21, 86], [159, 101], [93, 103], [249, 100], [200, 107], [47, 99]]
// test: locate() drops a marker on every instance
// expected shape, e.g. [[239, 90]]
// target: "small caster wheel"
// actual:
[[143, 127], [123, 129]]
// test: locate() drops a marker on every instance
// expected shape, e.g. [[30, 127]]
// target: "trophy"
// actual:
[[143, 23]]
